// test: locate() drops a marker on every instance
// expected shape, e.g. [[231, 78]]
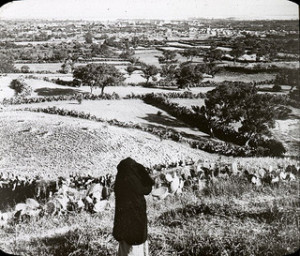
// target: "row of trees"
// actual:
[[6, 63], [98, 75], [188, 74], [268, 47], [102, 75], [185, 74]]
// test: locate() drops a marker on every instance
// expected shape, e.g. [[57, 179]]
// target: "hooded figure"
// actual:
[[132, 183]]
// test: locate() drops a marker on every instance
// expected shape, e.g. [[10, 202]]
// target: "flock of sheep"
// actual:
[[29, 198], [197, 176], [25, 199]]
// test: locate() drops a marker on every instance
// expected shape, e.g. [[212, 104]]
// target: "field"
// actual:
[[230, 217], [288, 132], [189, 102], [135, 111], [232, 76], [44, 88], [39, 87], [150, 56], [234, 215], [280, 64], [51, 146], [54, 67]]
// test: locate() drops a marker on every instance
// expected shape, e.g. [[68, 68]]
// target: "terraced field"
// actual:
[[44, 88], [247, 78], [131, 111]]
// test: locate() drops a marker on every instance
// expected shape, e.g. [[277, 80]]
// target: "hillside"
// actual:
[[52, 145]]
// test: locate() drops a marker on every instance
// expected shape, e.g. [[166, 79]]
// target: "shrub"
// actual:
[[275, 147], [25, 69], [20, 87], [86, 96], [276, 88], [254, 70], [282, 112], [79, 98]]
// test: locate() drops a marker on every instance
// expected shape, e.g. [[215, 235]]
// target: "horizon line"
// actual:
[[161, 19]]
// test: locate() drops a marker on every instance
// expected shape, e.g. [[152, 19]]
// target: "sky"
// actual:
[[149, 9]]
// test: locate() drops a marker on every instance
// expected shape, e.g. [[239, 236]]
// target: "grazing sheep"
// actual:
[[50, 208], [174, 185], [32, 203], [100, 206], [160, 193], [5, 218], [45, 189]]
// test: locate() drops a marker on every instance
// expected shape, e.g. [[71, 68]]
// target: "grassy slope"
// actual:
[[229, 218], [132, 110], [51, 145], [54, 145]]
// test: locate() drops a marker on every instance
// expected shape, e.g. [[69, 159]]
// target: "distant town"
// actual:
[[209, 108], [40, 30]]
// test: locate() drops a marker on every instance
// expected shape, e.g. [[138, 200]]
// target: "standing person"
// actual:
[[130, 224]]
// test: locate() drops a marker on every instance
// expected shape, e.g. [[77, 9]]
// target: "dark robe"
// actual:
[[132, 183]]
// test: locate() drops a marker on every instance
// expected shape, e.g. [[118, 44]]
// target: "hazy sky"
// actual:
[[149, 9]]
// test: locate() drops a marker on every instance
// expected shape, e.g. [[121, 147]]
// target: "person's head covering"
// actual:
[[129, 167], [132, 183]]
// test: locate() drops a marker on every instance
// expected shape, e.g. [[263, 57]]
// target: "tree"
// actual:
[[25, 69], [276, 88], [26, 54], [168, 57], [190, 53], [211, 69], [88, 38], [98, 75], [224, 102], [168, 73], [102, 50], [6, 63], [188, 75], [288, 76], [234, 102], [135, 41], [259, 49], [134, 60], [210, 59], [213, 54], [59, 54], [258, 114], [127, 53], [20, 87], [67, 67], [237, 51], [149, 71], [130, 69]]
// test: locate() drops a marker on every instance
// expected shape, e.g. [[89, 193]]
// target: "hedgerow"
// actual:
[[85, 96], [225, 133], [204, 144], [89, 96]]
